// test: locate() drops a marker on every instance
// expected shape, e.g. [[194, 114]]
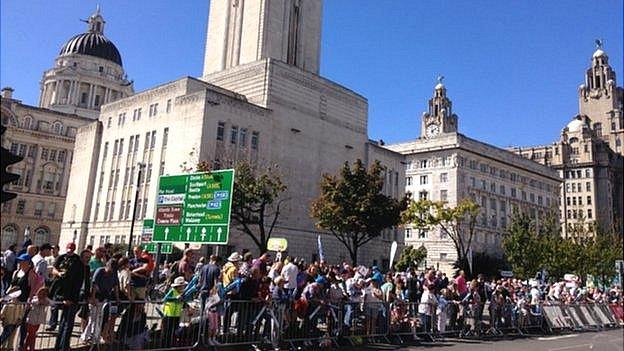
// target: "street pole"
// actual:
[[134, 206]]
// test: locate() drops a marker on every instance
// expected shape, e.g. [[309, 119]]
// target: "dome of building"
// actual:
[[92, 44], [575, 125]]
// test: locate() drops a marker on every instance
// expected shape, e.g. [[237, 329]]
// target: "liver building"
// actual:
[[589, 155]]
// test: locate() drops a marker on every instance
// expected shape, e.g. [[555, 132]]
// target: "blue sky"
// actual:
[[512, 68]]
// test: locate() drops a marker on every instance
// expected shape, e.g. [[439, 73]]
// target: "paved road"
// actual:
[[596, 341]]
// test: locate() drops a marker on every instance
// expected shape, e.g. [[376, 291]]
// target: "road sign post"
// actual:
[[194, 208]]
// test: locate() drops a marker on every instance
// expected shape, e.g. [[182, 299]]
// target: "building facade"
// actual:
[[444, 165], [260, 99], [86, 74], [588, 156], [45, 139]]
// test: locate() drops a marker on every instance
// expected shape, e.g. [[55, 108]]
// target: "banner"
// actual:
[[320, 249]]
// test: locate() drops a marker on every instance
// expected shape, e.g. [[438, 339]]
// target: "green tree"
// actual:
[[257, 200], [602, 252], [522, 247], [458, 223], [410, 257], [353, 208]]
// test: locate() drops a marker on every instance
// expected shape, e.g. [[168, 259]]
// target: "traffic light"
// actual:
[[6, 159]]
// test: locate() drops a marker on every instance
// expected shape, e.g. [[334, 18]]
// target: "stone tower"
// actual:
[[601, 100], [87, 73], [440, 117], [244, 31]]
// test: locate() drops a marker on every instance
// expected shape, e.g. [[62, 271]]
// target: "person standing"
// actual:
[[9, 265], [70, 273], [172, 310], [289, 273], [104, 287], [40, 263], [98, 260]]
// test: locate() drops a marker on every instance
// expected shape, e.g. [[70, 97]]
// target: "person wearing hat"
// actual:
[[172, 310], [230, 269]]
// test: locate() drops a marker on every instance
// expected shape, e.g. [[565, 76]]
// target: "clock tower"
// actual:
[[440, 117]]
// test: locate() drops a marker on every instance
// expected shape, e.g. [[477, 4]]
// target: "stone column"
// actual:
[[56, 93]]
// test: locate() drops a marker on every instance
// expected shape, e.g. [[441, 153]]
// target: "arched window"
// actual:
[[9, 236], [57, 128], [41, 236], [27, 122]]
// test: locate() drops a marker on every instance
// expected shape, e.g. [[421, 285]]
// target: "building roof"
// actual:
[[92, 44]]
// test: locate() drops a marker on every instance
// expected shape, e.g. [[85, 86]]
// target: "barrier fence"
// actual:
[[148, 325]]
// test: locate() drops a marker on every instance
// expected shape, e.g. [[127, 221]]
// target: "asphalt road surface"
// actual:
[[610, 340]]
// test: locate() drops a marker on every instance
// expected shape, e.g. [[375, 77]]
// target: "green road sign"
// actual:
[[165, 248], [194, 208]]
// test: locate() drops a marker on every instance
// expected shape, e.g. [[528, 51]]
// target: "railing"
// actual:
[[149, 325]]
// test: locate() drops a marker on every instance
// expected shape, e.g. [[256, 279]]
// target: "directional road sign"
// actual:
[[146, 239], [194, 208]]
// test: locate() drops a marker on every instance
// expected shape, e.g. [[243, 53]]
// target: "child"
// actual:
[[213, 307], [36, 317]]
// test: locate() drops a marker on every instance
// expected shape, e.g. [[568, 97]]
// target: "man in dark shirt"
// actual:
[[70, 272], [209, 276]]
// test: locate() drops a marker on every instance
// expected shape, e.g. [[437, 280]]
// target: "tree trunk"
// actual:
[[353, 254]]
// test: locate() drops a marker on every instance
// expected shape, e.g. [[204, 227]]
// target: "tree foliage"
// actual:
[[410, 257], [352, 207], [458, 223], [529, 251], [257, 200]]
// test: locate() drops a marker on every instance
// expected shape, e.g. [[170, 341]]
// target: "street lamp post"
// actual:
[[134, 206]]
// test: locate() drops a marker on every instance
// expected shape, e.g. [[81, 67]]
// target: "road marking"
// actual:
[[589, 347], [557, 337]]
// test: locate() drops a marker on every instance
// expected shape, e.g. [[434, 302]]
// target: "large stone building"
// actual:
[[260, 99], [444, 165], [45, 139], [588, 155], [86, 73]]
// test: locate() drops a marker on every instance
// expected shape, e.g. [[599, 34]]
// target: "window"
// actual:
[[493, 187], [574, 200], [598, 129], [422, 195], [493, 204], [161, 170], [136, 143], [128, 209], [502, 190], [589, 213], [408, 180], [443, 195], [243, 137], [422, 234], [51, 210], [220, 131], [589, 200], [121, 144], [115, 147], [524, 195], [503, 206], [38, 209], [255, 136], [144, 208], [588, 173], [21, 205], [233, 134], [587, 186], [580, 200], [153, 110], [148, 174], [408, 233], [532, 196], [106, 210], [61, 156], [424, 179], [165, 137], [568, 201], [168, 105], [83, 98], [32, 151], [105, 152], [44, 154], [22, 150], [443, 256], [52, 155], [423, 163], [443, 177], [473, 182], [153, 141], [126, 176], [131, 144]]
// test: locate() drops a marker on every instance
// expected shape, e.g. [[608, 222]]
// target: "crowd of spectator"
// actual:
[[247, 297]]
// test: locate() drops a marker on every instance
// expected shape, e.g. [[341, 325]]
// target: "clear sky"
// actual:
[[512, 68]]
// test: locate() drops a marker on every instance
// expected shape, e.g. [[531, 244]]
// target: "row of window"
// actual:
[[39, 236], [30, 151], [580, 214], [39, 210], [572, 187], [502, 190], [576, 173], [574, 200], [104, 239], [125, 210], [238, 136], [150, 143], [424, 179], [137, 112]]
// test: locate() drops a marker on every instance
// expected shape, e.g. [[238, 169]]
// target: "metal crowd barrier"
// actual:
[[144, 325]]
